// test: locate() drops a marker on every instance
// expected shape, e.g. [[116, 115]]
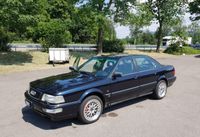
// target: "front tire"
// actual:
[[161, 90], [91, 109]]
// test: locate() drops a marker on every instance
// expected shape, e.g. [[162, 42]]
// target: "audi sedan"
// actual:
[[100, 82]]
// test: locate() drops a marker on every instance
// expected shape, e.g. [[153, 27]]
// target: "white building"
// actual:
[[168, 40]]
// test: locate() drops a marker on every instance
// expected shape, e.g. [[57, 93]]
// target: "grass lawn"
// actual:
[[176, 50], [27, 61], [35, 60]]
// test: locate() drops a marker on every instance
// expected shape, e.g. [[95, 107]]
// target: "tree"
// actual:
[[109, 30], [117, 9], [53, 29], [194, 32], [83, 27], [17, 15], [137, 20], [164, 11], [179, 30], [15, 18], [195, 9], [5, 38]]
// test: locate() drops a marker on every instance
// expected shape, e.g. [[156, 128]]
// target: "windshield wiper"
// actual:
[[84, 72]]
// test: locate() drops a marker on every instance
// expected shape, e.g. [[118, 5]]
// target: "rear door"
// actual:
[[147, 74], [125, 87]]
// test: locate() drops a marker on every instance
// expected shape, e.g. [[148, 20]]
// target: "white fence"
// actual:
[[77, 47], [38, 47]]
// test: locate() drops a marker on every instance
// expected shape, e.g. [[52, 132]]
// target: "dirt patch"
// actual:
[[139, 106], [112, 114]]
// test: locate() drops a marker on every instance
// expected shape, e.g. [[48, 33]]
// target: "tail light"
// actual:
[[174, 72]]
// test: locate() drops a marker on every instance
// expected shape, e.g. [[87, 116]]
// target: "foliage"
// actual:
[[17, 15], [113, 46], [117, 9], [53, 33], [180, 30], [140, 18], [5, 38], [83, 27], [109, 30], [194, 32], [145, 37], [53, 22], [60, 9], [177, 50], [195, 9]]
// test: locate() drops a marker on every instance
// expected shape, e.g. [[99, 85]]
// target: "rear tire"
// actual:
[[161, 90], [91, 109]]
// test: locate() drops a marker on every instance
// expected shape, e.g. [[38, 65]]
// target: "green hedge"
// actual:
[[177, 50], [113, 46]]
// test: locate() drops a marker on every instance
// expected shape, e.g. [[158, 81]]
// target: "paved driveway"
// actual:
[[178, 115]]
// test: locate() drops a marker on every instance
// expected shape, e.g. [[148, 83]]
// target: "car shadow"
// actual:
[[44, 123]]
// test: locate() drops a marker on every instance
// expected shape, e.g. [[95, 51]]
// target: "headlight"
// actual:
[[53, 99]]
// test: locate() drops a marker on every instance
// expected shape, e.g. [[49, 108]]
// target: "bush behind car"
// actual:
[[176, 49], [113, 46]]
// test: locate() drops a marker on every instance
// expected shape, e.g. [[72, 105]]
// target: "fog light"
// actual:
[[52, 111]]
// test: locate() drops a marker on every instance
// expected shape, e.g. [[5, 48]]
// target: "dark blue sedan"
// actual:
[[100, 82]]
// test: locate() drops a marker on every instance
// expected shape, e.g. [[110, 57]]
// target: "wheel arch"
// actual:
[[95, 92], [163, 78]]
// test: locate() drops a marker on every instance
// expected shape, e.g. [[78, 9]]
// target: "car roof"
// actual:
[[118, 56]]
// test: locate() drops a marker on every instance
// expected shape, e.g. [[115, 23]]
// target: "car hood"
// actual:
[[54, 84]]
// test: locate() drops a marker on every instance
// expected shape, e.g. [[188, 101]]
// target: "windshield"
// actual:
[[99, 66]]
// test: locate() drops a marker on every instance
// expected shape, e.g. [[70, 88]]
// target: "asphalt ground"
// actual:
[[177, 115]]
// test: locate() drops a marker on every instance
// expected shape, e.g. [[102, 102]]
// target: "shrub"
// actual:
[[177, 50], [113, 46], [173, 49]]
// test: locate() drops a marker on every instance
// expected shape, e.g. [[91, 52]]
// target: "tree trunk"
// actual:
[[159, 37], [100, 40]]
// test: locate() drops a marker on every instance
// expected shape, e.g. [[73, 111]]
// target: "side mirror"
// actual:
[[116, 75]]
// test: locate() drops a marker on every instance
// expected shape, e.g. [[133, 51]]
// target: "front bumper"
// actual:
[[69, 110]]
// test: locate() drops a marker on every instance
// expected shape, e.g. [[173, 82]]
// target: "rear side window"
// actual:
[[125, 66], [145, 63]]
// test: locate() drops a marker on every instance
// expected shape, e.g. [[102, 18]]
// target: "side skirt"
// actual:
[[111, 104]]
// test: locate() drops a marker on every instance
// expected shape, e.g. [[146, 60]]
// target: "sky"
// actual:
[[123, 31]]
